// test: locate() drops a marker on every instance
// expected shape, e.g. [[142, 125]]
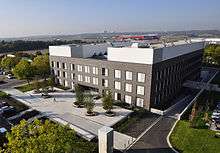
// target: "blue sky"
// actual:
[[41, 17]]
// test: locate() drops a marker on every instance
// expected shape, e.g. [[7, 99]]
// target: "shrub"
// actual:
[[89, 104], [4, 95]]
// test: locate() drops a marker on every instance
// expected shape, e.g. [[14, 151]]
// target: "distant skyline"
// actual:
[[57, 17]]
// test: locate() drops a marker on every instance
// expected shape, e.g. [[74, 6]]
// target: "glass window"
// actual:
[[95, 81], [52, 64], [128, 75], [95, 70], [141, 77], [79, 68], [87, 70], [80, 78], [140, 90], [128, 99], [104, 71], [65, 74], [87, 79], [72, 75], [117, 85], [104, 82], [128, 87], [58, 65], [140, 102], [64, 66], [72, 67], [117, 74], [58, 73]]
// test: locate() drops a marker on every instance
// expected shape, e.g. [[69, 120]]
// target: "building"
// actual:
[[143, 75]]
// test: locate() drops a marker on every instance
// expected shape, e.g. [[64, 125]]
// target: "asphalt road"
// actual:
[[154, 141], [9, 83]]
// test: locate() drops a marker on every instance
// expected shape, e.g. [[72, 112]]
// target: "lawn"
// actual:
[[216, 80], [27, 87], [190, 140]]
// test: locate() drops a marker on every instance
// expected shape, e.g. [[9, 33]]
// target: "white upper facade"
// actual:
[[79, 51], [136, 53], [154, 54]]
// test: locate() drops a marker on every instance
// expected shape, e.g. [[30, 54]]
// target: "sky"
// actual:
[[54, 17]]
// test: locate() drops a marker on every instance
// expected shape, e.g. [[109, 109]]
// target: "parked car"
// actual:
[[215, 117], [10, 76], [3, 130]]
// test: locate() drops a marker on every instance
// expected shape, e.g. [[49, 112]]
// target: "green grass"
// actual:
[[4, 95], [216, 80], [28, 87], [190, 140]]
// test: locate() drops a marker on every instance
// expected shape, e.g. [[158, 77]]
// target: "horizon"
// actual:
[[43, 18]]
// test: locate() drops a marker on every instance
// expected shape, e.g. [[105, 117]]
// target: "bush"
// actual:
[[4, 95]]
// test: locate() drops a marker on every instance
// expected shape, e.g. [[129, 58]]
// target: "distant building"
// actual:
[[143, 75]]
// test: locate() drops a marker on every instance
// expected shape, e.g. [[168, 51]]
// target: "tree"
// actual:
[[45, 137], [79, 96], [42, 66], [89, 104], [51, 82], [193, 115], [107, 101], [8, 63], [24, 70]]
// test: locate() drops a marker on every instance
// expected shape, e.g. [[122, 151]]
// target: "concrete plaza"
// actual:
[[60, 108]]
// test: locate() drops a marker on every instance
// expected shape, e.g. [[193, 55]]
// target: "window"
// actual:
[[80, 78], [72, 66], [58, 65], [95, 81], [117, 96], [79, 68], [104, 71], [128, 99], [140, 90], [128, 75], [104, 83], [95, 70], [65, 74], [52, 64], [64, 66], [117, 85], [65, 83], [87, 79], [87, 70], [128, 87], [141, 77], [72, 75], [140, 102], [117, 74], [58, 73]]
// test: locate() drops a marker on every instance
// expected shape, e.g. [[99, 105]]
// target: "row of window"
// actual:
[[95, 71], [128, 99], [117, 84]]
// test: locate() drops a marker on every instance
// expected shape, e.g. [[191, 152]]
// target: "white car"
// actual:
[[9, 76], [3, 130]]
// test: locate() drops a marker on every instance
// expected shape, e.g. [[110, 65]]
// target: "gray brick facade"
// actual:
[[163, 79]]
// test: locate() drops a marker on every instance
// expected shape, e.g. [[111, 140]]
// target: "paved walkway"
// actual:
[[62, 111]]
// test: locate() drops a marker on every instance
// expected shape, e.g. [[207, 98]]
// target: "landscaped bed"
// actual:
[[25, 116], [190, 140], [136, 123], [192, 133], [28, 87]]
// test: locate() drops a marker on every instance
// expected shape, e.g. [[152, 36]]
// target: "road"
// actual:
[[11, 83]]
